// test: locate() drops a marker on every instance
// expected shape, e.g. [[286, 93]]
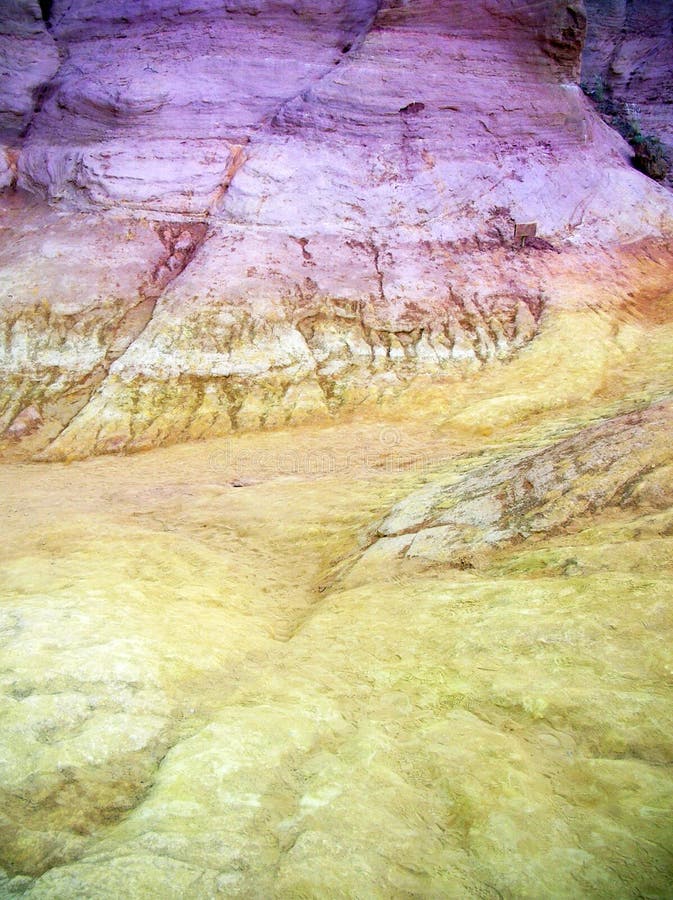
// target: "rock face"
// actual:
[[272, 210], [315, 118], [227, 215], [538, 494], [29, 59], [629, 51], [78, 291]]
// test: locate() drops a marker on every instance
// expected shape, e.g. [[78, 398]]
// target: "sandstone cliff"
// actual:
[[260, 212], [419, 645], [630, 53]]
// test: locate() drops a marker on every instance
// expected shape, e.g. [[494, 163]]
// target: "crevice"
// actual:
[[45, 8], [352, 38], [238, 158], [181, 242], [43, 91], [376, 255]]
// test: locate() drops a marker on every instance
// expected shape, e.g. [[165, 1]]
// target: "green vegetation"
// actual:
[[650, 155]]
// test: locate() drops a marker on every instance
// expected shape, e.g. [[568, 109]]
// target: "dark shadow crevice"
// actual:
[[46, 9]]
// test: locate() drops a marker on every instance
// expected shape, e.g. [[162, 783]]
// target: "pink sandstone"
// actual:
[[241, 214]]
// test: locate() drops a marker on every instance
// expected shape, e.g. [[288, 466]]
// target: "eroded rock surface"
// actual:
[[511, 501], [222, 216], [629, 55], [187, 712], [76, 292], [29, 59], [289, 339], [319, 201]]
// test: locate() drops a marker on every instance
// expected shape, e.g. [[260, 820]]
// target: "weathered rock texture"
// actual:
[[612, 464], [274, 210], [629, 51], [28, 61], [187, 714]]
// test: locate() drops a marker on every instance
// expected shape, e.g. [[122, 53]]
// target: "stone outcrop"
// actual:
[[629, 56], [423, 651], [267, 350], [29, 59], [78, 292], [317, 204], [612, 464]]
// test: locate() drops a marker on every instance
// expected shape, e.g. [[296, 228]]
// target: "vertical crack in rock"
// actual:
[[30, 60], [181, 240], [43, 90], [238, 158], [354, 35], [45, 7], [376, 255]]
